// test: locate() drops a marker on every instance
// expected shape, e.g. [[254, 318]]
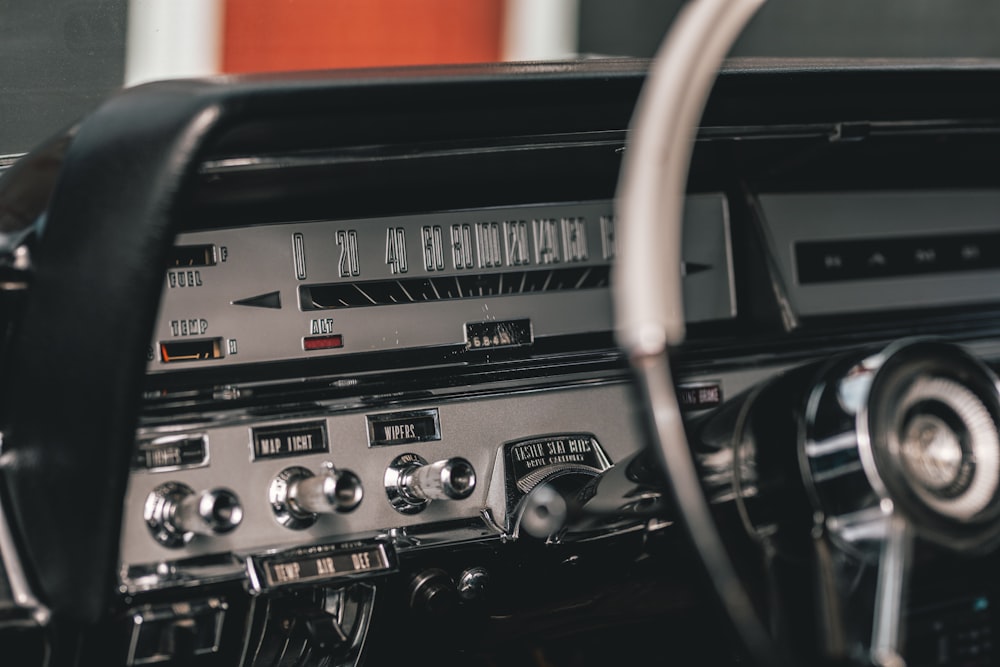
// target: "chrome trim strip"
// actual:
[[217, 416], [380, 154], [7, 161]]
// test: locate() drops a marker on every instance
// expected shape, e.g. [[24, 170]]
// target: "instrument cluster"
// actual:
[[460, 280]]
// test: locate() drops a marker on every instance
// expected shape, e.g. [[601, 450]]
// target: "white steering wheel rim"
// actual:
[[647, 279]]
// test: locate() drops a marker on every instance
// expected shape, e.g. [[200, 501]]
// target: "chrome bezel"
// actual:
[[278, 496], [159, 510], [393, 480]]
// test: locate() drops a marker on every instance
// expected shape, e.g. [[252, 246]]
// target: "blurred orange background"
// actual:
[[314, 34]]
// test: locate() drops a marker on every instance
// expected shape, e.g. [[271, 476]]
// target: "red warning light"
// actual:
[[322, 342]]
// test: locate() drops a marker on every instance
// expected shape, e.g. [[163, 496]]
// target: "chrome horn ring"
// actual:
[[931, 426]]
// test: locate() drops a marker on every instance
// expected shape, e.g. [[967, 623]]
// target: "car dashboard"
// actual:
[[332, 373]]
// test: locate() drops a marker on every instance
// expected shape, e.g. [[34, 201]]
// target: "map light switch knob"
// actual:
[[330, 491], [298, 496]]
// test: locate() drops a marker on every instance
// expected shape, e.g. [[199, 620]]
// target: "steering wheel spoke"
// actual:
[[863, 569], [891, 592]]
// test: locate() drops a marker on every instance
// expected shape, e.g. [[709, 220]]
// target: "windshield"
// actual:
[[59, 58]]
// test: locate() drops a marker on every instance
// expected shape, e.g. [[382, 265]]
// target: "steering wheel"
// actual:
[[833, 470]]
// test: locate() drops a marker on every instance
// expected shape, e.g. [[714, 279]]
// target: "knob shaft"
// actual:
[[213, 512], [330, 491], [175, 513], [411, 482], [297, 495], [449, 479]]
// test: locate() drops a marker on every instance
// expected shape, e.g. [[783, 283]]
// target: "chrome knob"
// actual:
[[473, 584], [298, 495], [411, 482], [175, 513], [450, 479]]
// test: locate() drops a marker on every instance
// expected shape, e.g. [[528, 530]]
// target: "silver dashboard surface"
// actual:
[[472, 428], [268, 292]]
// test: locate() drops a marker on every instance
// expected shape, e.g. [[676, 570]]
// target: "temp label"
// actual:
[[401, 428], [189, 327], [289, 440]]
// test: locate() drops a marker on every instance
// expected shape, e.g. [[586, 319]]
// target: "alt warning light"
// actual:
[[322, 342]]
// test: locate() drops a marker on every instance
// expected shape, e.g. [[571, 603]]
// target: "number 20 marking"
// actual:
[[347, 241]]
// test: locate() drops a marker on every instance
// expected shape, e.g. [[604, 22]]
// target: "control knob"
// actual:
[[411, 482], [175, 513], [298, 496]]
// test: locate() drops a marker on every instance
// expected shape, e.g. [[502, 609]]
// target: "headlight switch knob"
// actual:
[[175, 513]]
